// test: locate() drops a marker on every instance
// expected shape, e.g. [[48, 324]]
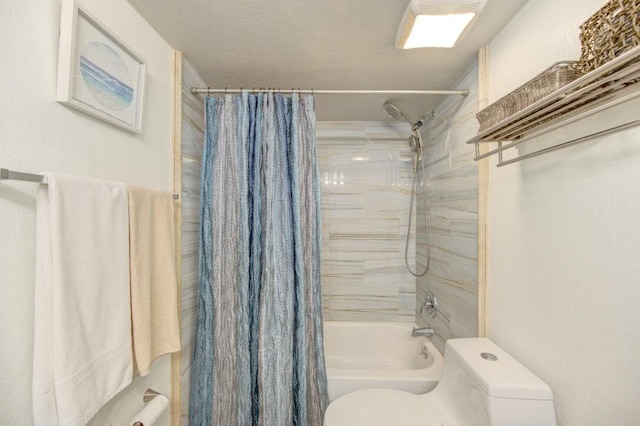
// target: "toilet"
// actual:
[[481, 385]]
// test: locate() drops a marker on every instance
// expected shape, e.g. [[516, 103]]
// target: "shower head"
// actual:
[[395, 113]]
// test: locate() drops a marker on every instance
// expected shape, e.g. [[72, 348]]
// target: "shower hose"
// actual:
[[418, 157]]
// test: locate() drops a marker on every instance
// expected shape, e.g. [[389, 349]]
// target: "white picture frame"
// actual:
[[98, 74]]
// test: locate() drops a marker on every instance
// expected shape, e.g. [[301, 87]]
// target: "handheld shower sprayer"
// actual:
[[415, 144]]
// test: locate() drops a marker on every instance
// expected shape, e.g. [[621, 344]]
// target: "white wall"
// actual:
[[564, 239], [38, 134]]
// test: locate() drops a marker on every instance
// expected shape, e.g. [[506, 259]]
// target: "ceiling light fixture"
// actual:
[[436, 23]]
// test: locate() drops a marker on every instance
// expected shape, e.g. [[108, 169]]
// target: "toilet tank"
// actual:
[[511, 394]]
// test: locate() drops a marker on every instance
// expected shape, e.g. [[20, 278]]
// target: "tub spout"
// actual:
[[423, 331]]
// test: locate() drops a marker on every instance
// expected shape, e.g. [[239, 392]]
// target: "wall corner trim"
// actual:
[[483, 198], [176, 118]]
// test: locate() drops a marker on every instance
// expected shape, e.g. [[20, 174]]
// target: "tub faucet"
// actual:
[[422, 331]]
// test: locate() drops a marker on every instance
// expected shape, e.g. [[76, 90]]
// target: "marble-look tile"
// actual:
[[367, 300], [384, 271], [364, 235], [337, 131], [192, 143], [453, 221], [387, 200], [341, 266], [365, 174], [342, 201], [386, 130]]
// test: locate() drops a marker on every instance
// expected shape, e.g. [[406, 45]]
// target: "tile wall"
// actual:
[[365, 178], [192, 143], [452, 194]]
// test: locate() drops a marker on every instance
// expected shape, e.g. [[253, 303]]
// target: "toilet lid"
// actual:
[[381, 407]]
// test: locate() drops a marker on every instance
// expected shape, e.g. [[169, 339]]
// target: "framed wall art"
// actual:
[[97, 73]]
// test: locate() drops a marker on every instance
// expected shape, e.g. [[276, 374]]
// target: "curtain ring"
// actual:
[[225, 91], [312, 91]]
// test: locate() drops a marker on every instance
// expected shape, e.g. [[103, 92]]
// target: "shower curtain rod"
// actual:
[[210, 91], [6, 174]]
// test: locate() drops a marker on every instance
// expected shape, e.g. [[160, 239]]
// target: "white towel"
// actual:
[[82, 342], [154, 285]]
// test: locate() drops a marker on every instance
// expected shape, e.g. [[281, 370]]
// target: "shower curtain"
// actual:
[[259, 356]]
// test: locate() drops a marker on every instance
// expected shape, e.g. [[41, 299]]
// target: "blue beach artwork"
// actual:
[[106, 76]]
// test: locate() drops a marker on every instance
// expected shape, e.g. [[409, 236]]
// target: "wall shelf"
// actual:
[[612, 90]]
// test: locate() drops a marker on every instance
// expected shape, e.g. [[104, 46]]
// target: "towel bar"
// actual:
[[6, 174]]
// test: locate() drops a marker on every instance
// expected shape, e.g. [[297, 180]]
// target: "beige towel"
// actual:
[[154, 288]]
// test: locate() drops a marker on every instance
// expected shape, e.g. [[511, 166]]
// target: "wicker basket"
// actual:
[[611, 31], [545, 83]]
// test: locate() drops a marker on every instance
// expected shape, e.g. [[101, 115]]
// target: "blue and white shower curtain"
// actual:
[[258, 356]]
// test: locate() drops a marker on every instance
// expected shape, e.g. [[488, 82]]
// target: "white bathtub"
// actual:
[[365, 355]]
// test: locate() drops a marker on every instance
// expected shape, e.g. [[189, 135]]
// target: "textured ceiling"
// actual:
[[319, 44]]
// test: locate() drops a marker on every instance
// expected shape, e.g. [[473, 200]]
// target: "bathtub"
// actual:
[[365, 355]]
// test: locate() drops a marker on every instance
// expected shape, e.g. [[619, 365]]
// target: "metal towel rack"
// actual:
[[6, 174], [610, 85]]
